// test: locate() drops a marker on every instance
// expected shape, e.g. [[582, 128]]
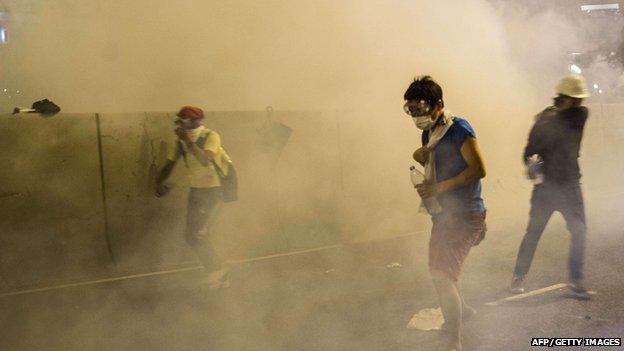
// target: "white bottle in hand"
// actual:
[[431, 204], [535, 166]]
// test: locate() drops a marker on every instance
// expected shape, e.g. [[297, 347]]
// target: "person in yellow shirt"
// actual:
[[201, 151]]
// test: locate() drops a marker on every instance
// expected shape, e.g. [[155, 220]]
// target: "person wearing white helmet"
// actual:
[[555, 141]]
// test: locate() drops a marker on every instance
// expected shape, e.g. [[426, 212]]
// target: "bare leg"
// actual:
[[451, 305], [467, 310]]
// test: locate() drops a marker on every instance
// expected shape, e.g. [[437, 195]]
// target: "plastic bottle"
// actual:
[[431, 204], [536, 168]]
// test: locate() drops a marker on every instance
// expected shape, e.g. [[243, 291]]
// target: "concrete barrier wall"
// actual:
[[315, 188], [51, 224], [325, 184]]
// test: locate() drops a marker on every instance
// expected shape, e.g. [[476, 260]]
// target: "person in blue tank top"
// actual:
[[453, 169]]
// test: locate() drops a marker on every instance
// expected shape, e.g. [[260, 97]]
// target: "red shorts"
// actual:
[[452, 236]]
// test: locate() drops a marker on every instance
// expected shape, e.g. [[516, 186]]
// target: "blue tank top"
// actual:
[[449, 163]]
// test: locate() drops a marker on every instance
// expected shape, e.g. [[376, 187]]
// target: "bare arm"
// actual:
[[165, 172], [421, 155], [475, 170]]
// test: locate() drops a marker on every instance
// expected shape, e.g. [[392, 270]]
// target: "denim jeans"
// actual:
[[202, 210], [547, 198]]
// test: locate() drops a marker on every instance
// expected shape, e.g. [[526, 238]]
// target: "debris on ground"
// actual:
[[427, 319]]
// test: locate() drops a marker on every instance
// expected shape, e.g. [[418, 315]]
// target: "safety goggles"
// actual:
[[182, 122], [417, 108]]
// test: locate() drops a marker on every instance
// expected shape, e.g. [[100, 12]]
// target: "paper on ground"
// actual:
[[427, 319]]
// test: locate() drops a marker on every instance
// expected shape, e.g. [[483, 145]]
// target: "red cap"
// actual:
[[191, 112]]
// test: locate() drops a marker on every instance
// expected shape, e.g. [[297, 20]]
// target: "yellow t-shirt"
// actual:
[[197, 175]]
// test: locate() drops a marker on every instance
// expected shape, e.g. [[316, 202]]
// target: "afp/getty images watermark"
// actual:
[[559, 342]]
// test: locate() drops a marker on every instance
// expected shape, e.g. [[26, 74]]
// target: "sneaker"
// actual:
[[517, 285], [580, 292]]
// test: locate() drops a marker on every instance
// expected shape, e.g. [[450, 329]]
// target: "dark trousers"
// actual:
[[547, 198], [202, 210]]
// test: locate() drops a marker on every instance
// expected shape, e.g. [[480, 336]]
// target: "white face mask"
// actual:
[[423, 122], [186, 123]]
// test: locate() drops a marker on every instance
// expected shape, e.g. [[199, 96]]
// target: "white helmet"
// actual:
[[572, 86]]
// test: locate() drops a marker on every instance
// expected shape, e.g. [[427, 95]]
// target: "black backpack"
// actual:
[[46, 107]]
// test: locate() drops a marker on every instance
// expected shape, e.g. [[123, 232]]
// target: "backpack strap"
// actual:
[[201, 142]]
